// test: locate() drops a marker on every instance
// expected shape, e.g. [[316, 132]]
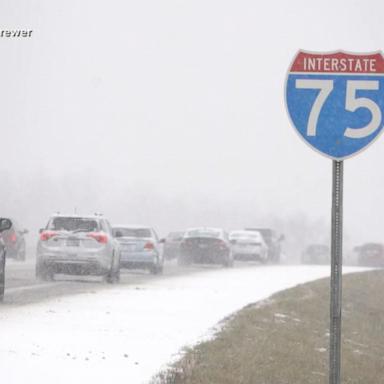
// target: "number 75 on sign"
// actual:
[[336, 100]]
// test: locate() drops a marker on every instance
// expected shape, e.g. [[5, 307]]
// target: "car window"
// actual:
[[73, 224], [246, 235], [133, 232], [203, 233]]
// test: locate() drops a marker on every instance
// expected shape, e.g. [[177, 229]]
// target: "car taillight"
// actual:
[[149, 246], [13, 238], [46, 235], [99, 237]]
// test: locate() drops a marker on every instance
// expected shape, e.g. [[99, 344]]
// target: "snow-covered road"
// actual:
[[127, 334]]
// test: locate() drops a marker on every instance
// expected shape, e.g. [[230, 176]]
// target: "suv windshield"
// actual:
[[72, 224], [133, 232]]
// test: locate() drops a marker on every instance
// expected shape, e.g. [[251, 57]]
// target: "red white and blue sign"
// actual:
[[336, 100]]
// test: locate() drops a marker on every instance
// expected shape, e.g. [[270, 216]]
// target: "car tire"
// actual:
[[21, 254], [113, 276], [117, 276], [156, 269], [228, 263], [1, 291]]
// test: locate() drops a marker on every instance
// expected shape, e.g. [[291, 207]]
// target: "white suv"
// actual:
[[78, 245]]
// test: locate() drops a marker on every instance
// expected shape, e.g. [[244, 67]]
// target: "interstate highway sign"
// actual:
[[336, 100]]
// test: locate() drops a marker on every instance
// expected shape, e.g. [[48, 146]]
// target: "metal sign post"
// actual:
[[335, 102], [336, 272]]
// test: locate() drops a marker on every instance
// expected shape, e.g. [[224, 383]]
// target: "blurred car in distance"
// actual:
[[172, 245], [206, 246], [370, 255], [15, 242], [5, 225], [140, 248], [78, 245], [316, 254], [273, 241], [248, 245]]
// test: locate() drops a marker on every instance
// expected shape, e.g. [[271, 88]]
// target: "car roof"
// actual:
[[131, 226], [245, 232], [76, 216], [204, 229]]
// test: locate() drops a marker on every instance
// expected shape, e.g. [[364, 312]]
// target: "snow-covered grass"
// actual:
[[285, 339], [127, 334]]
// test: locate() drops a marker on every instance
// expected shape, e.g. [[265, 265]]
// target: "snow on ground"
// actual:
[[127, 334]]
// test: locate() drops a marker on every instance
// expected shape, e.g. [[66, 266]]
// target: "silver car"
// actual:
[[140, 248], [78, 245], [248, 245]]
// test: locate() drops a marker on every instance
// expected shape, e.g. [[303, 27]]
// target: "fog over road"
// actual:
[[83, 330]]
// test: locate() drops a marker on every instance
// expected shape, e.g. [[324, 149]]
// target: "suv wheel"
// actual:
[[113, 275], [21, 252], [228, 263], [156, 269]]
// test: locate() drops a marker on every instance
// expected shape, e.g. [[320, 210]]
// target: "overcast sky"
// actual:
[[180, 101]]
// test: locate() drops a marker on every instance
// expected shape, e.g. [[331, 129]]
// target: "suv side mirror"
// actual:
[[5, 224], [162, 241]]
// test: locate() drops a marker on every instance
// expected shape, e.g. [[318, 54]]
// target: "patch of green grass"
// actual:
[[285, 339]]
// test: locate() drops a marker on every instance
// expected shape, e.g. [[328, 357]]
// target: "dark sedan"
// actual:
[[206, 246]]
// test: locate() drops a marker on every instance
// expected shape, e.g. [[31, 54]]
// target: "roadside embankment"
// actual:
[[284, 340]]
